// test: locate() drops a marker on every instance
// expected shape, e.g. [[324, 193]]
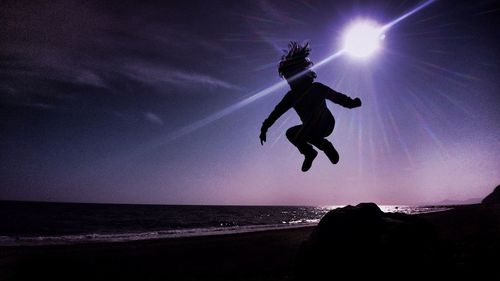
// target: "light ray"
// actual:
[[373, 154], [404, 16], [381, 125], [457, 104], [238, 105], [217, 115], [232, 108], [280, 127], [405, 148], [424, 125], [427, 68], [360, 145]]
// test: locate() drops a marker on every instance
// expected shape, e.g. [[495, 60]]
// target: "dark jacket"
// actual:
[[309, 103]]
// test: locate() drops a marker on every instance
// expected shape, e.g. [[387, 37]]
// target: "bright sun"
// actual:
[[363, 38]]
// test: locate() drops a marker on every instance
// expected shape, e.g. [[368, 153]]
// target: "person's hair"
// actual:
[[295, 60]]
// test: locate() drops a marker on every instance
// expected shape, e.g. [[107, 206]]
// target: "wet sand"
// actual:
[[266, 255]]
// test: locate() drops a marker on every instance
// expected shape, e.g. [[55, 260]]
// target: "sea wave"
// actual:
[[12, 241], [62, 224]]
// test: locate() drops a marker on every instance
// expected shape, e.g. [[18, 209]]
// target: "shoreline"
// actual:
[[468, 233], [121, 237], [76, 239], [242, 256]]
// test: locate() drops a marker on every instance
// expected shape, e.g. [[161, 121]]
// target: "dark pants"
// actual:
[[302, 136]]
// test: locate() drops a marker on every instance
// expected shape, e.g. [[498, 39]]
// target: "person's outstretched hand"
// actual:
[[262, 137], [356, 103]]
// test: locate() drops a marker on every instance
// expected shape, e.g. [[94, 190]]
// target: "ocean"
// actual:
[[37, 223]]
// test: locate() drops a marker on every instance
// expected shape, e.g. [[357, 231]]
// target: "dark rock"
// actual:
[[493, 198], [364, 240]]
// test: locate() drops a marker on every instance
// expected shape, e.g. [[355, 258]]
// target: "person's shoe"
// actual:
[[308, 161], [331, 153]]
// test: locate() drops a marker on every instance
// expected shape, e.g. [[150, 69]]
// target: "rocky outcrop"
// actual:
[[493, 198], [358, 240]]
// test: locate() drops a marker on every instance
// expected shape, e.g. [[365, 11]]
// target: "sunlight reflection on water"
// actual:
[[405, 209]]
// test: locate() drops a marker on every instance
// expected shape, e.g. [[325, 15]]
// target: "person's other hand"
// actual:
[[262, 137], [356, 103]]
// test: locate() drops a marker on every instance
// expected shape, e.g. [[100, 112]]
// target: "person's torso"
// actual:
[[310, 104]]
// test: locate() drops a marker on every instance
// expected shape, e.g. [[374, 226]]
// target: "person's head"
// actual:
[[295, 64]]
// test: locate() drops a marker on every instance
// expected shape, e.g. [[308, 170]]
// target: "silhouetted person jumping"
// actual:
[[308, 99]]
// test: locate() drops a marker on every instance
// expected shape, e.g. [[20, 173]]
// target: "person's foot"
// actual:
[[331, 153], [308, 161]]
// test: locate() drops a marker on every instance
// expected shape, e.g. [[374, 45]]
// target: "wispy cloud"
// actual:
[[156, 74], [112, 60], [153, 118], [275, 13], [88, 77], [180, 39]]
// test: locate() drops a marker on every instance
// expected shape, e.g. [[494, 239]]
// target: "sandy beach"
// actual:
[[469, 235], [266, 255]]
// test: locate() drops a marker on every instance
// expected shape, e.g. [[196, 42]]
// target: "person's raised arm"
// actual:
[[283, 106], [340, 98]]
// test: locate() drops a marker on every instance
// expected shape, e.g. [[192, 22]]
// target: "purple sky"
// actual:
[[103, 102]]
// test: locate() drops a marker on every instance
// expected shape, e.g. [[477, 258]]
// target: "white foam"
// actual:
[[12, 241], [6, 241]]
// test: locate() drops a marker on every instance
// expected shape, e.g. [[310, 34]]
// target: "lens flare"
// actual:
[[362, 39]]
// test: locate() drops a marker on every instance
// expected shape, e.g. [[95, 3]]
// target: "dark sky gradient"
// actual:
[[95, 95]]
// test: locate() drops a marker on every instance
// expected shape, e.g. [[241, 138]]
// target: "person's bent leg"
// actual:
[[297, 136], [328, 148], [319, 140]]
